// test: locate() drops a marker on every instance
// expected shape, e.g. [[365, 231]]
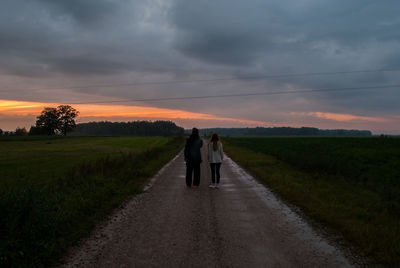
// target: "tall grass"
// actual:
[[370, 162], [349, 184], [40, 217]]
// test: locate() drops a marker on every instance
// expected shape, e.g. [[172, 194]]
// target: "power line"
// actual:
[[214, 79], [243, 94]]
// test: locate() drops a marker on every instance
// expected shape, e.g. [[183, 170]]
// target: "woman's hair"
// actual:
[[214, 140]]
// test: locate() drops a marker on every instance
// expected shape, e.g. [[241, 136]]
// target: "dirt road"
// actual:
[[241, 224]]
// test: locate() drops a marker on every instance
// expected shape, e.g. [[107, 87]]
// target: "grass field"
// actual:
[[351, 185], [53, 190]]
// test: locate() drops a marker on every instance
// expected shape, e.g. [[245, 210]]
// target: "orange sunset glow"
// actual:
[[15, 113], [23, 108], [343, 117], [11, 108]]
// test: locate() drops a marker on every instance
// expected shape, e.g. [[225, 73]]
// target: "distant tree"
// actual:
[[37, 131], [21, 131], [55, 120], [66, 118], [1, 132], [48, 121]]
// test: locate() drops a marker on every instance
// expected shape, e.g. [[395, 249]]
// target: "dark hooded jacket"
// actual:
[[192, 149]]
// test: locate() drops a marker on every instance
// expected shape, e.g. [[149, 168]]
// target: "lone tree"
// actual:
[[66, 118], [53, 120], [48, 120]]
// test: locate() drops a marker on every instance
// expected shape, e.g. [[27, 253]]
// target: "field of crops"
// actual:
[[53, 190], [351, 185]]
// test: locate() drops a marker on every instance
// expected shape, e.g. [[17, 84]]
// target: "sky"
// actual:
[[116, 60]]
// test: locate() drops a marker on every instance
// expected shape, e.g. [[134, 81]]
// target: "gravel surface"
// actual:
[[241, 224]]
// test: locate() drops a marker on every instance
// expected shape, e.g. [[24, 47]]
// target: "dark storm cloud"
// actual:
[[87, 12], [222, 47], [219, 31], [77, 37], [393, 61], [237, 31], [263, 36], [300, 37]]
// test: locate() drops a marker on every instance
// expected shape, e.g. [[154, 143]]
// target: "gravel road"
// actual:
[[242, 224]]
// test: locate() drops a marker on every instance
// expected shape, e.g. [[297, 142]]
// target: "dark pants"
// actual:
[[215, 171], [192, 168]]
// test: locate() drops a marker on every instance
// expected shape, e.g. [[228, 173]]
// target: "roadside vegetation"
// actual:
[[54, 189], [351, 185]]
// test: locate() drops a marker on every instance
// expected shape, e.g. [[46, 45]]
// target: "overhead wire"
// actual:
[[211, 79], [243, 94]]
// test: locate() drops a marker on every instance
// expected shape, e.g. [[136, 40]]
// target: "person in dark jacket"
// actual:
[[193, 158]]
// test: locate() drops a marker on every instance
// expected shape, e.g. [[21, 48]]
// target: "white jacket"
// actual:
[[215, 156]]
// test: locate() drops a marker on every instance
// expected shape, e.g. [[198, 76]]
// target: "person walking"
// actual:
[[193, 158], [215, 157]]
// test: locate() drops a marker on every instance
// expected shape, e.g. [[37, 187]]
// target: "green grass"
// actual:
[[351, 185], [53, 190]]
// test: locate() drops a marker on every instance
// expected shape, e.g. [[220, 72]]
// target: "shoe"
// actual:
[[195, 186], [216, 186], [211, 186]]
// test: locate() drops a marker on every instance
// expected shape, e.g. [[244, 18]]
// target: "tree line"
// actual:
[[284, 131], [18, 132], [61, 120], [135, 128]]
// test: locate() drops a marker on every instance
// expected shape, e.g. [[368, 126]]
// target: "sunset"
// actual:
[[20, 113], [183, 133], [23, 114]]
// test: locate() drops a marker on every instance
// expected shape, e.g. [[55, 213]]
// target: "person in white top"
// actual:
[[215, 157]]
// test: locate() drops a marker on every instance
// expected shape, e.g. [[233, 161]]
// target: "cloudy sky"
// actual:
[[115, 59]]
